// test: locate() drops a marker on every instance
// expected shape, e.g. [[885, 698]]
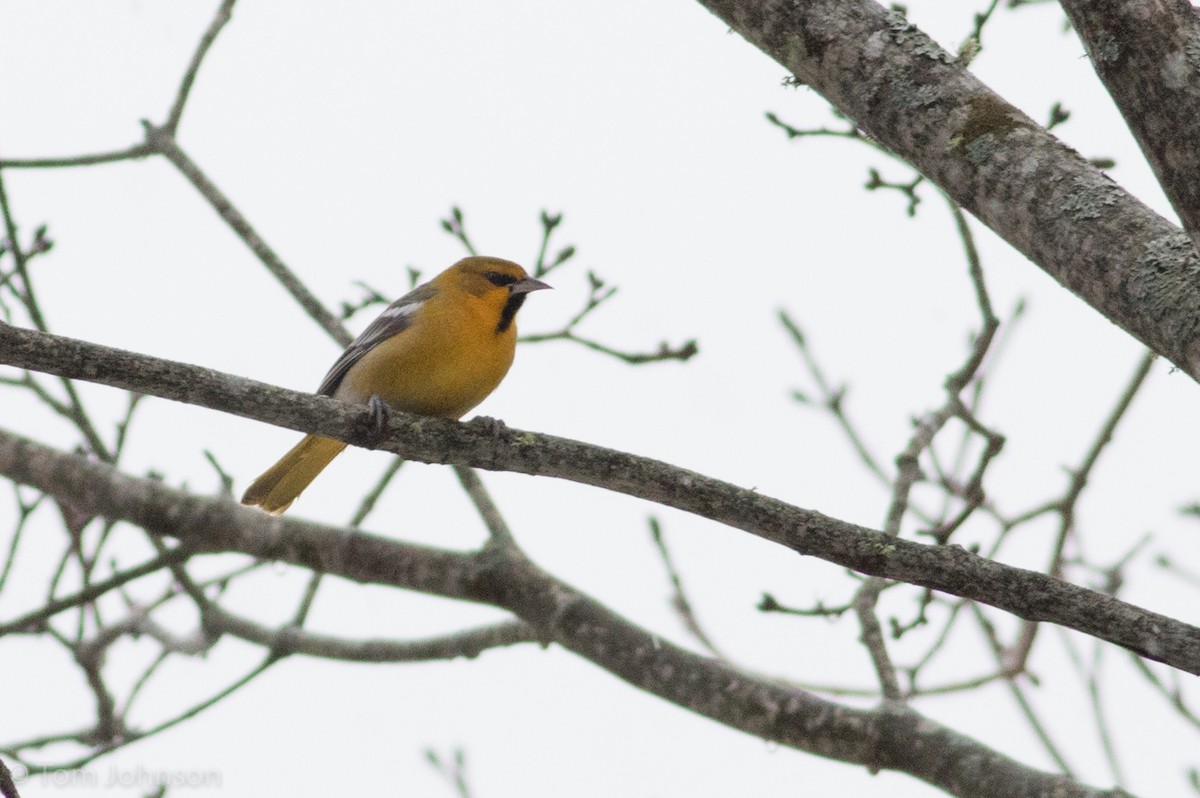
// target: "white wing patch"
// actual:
[[395, 319], [400, 311]]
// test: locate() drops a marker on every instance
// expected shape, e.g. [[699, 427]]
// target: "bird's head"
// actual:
[[494, 280]]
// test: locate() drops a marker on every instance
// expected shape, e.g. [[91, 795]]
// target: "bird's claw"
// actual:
[[381, 422]]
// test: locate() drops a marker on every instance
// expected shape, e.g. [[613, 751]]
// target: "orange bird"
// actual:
[[439, 350]]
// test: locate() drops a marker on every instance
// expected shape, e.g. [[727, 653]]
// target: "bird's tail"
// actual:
[[279, 486]]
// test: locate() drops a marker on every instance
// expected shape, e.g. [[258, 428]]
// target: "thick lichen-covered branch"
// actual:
[[917, 100], [1148, 56]]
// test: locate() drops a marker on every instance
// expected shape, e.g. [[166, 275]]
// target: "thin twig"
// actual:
[[1065, 507], [21, 260], [455, 772], [35, 619], [664, 352], [68, 162], [145, 148], [163, 142], [189, 76], [833, 399], [453, 225], [1018, 694], [496, 525], [679, 598]]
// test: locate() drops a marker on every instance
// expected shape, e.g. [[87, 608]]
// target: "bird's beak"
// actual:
[[527, 285]]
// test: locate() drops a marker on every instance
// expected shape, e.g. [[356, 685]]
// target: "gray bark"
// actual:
[[1148, 55], [911, 96], [484, 443], [890, 736]]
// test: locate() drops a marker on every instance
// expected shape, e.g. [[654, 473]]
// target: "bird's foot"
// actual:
[[381, 422]]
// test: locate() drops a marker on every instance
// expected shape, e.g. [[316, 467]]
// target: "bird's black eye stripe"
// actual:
[[500, 279]]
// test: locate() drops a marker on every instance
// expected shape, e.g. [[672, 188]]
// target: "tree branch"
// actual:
[[1148, 56], [490, 445], [162, 141], [1041, 196], [8, 788], [889, 737], [189, 76], [468, 643]]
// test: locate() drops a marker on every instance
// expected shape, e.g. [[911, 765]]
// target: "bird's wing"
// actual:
[[395, 319]]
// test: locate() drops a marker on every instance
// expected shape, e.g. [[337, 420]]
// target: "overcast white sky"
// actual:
[[344, 132]]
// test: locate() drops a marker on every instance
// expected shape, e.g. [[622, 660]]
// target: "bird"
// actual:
[[439, 350]]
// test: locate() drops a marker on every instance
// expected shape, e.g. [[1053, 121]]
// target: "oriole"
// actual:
[[439, 350]]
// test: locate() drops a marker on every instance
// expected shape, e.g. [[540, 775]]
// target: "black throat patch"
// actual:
[[510, 311]]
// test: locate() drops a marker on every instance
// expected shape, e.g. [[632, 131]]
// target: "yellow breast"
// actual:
[[444, 364]]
